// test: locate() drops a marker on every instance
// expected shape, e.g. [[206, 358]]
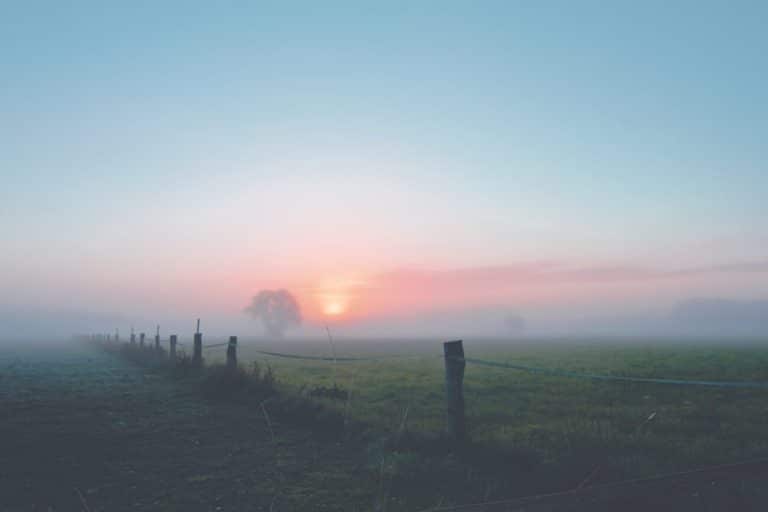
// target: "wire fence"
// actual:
[[551, 372], [208, 347], [452, 360], [606, 377], [339, 358]]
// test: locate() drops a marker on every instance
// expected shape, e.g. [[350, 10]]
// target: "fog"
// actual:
[[271, 319]]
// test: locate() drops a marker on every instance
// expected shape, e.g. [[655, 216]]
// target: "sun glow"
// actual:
[[336, 295], [334, 308]]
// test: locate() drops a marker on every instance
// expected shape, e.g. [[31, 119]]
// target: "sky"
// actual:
[[399, 167]]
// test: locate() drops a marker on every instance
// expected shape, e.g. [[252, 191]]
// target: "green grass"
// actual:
[[531, 434], [568, 425]]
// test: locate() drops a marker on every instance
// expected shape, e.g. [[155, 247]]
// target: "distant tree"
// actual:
[[277, 310]]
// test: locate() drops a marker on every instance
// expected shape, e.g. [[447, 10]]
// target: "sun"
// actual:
[[335, 298], [334, 308]]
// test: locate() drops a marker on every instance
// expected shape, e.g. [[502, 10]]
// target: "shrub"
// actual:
[[333, 393], [220, 381]]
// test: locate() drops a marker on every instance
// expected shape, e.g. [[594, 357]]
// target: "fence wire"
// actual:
[[553, 372], [594, 376], [336, 358], [206, 347]]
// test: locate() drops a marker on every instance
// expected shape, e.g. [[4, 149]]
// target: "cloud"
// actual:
[[745, 267], [543, 273]]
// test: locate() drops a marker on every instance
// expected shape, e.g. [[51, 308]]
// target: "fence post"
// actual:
[[454, 392], [141, 340], [197, 347], [232, 353], [197, 350], [172, 347]]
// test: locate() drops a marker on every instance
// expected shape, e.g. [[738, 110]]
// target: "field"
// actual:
[[571, 427], [82, 426], [81, 430]]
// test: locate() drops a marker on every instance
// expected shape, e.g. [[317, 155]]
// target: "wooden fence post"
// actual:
[[454, 392], [197, 347], [197, 350], [172, 347], [232, 353]]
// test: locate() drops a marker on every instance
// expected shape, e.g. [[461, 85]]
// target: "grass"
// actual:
[[559, 422], [529, 433], [128, 436]]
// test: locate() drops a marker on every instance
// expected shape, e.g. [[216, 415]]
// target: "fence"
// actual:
[[173, 343], [455, 363]]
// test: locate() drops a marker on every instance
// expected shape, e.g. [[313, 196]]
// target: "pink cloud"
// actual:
[[414, 289], [542, 273]]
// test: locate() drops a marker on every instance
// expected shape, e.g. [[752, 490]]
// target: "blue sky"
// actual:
[[374, 136]]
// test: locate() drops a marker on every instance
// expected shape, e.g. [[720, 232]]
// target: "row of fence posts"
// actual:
[[173, 340], [453, 354]]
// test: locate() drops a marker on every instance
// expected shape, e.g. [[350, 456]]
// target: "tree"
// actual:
[[278, 311]]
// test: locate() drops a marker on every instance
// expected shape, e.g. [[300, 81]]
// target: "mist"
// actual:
[[275, 315]]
